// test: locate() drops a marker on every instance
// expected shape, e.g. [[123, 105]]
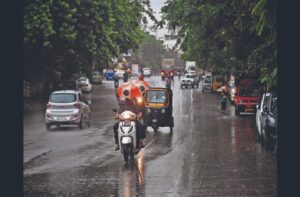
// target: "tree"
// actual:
[[214, 31], [65, 37]]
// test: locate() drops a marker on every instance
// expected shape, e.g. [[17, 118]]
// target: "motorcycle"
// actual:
[[116, 83], [125, 77], [127, 134], [168, 83]]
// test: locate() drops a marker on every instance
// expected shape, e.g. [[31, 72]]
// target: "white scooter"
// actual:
[[127, 134]]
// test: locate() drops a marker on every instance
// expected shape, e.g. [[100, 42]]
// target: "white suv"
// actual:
[[147, 72], [67, 107]]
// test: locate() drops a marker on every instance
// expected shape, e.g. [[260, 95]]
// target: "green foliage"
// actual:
[[65, 37], [149, 54], [227, 35]]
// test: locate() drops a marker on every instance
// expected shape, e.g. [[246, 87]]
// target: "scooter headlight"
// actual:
[[139, 100]]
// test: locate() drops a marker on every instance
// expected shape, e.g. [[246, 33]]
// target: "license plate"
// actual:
[[61, 118], [126, 123], [248, 110]]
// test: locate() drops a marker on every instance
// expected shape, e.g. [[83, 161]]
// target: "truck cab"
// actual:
[[168, 68], [247, 96]]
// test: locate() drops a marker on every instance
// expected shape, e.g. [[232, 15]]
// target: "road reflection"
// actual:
[[132, 176]]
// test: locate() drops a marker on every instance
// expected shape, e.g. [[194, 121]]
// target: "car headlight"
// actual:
[[163, 110], [171, 73], [161, 73], [148, 110]]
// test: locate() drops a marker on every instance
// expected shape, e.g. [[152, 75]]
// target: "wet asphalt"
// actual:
[[208, 154]]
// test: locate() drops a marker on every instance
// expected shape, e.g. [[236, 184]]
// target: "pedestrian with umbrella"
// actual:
[[224, 93]]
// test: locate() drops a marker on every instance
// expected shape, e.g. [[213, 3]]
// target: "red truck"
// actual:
[[247, 96], [167, 68]]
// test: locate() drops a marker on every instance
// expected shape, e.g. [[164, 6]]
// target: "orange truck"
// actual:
[[167, 68], [247, 96]]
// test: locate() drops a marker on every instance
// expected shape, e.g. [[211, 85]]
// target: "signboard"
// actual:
[[135, 69]]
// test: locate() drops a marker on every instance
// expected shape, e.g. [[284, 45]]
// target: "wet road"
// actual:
[[208, 154]]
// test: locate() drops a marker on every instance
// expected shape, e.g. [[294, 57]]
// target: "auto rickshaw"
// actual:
[[159, 108]]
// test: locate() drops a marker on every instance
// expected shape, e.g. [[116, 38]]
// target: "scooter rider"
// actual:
[[128, 104]]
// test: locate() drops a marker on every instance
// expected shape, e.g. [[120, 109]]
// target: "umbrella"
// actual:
[[222, 89], [128, 90], [143, 85]]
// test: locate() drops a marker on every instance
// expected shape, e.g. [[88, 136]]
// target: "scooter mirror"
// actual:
[[114, 110]]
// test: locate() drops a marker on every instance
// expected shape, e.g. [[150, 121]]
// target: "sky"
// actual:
[[156, 5]]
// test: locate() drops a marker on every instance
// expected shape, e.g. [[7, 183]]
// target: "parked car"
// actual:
[[147, 72], [247, 96], [207, 82], [84, 84], [96, 77], [189, 80], [67, 107], [232, 91], [110, 74], [269, 123], [259, 110]]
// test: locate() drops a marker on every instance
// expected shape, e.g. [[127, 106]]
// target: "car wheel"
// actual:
[[202, 90], [88, 121], [267, 144], [58, 126], [197, 86], [237, 111], [258, 135], [181, 87], [80, 123], [48, 127]]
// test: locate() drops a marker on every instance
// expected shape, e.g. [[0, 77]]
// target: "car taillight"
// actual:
[[48, 105], [77, 105]]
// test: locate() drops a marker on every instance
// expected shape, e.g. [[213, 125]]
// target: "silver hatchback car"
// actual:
[[67, 107]]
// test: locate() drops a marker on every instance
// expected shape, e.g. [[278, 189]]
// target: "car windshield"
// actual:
[[63, 98], [167, 67], [208, 79], [82, 80], [249, 91], [190, 76], [157, 96]]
